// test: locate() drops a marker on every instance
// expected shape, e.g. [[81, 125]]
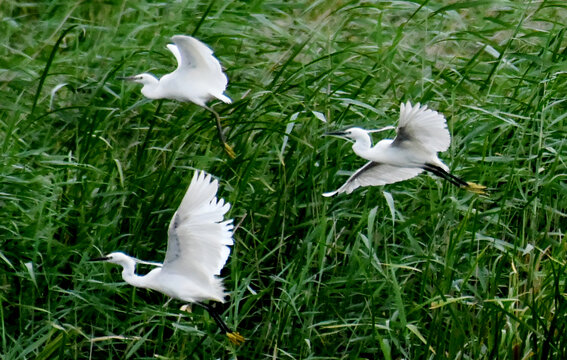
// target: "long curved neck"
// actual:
[[151, 88], [129, 274], [362, 145]]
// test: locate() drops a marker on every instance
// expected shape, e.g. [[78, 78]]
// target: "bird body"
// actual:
[[383, 152], [421, 134], [198, 78], [197, 250], [194, 288]]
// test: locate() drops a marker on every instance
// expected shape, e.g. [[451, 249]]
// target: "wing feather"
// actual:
[[175, 51], [375, 174], [198, 61], [418, 124], [199, 237]]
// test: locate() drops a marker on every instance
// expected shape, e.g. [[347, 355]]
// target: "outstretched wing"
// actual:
[[423, 126], [175, 51], [375, 174], [198, 59], [199, 237]]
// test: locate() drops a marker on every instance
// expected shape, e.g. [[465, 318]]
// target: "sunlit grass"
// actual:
[[413, 270]]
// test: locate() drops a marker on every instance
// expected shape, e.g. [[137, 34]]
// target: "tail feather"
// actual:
[[224, 98]]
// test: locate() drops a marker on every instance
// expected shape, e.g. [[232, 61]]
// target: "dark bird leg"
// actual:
[[233, 336], [455, 180], [222, 138]]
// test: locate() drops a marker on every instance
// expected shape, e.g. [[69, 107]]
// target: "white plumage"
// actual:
[[197, 250], [198, 78], [421, 134], [198, 242], [425, 127], [375, 174]]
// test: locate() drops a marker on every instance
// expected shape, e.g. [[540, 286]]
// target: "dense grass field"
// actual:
[[414, 270]]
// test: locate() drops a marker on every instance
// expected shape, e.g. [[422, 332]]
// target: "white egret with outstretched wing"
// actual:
[[198, 78], [421, 134], [197, 250]]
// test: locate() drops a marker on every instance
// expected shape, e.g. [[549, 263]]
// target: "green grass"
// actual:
[[412, 270]]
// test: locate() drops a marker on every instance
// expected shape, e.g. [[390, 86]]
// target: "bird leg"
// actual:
[[222, 138], [445, 175], [233, 336], [455, 180]]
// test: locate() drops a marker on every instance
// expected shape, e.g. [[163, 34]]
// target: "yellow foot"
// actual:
[[229, 151], [475, 188], [235, 338], [186, 308]]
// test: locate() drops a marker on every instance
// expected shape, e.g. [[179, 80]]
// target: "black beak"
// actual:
[[335, 133], [126, 78], [104, 258]]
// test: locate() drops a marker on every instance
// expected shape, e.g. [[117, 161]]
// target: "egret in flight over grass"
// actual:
[[197, 249], [421, 134], [197, 79]]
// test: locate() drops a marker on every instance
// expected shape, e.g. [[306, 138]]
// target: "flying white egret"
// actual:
[[197, 79], [421, 134], [197, 249]]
